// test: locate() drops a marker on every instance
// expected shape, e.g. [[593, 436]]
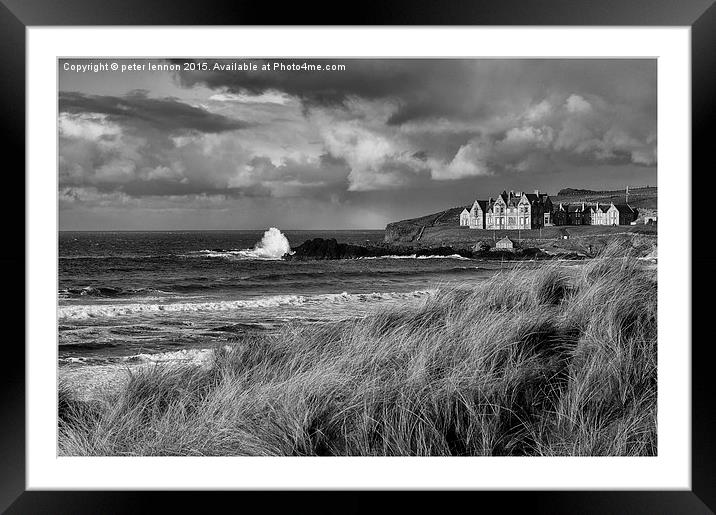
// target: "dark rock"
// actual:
[[320, 248]]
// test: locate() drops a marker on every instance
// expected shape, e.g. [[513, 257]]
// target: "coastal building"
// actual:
[[505, 244], [626, 214], [569, 214], [477, 214], [518, 211], [598, 215], [613, 214]]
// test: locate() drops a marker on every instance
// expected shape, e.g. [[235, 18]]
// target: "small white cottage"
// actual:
[[505, 244], [464, 218]]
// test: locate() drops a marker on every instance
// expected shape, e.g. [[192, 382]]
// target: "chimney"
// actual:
[[536, 192]]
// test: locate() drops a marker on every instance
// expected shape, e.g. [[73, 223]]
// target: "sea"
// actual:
[[131, 296]]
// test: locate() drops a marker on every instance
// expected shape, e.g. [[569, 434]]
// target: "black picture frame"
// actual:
[[700, 15]]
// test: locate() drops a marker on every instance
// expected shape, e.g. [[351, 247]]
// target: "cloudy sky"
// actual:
[[379, 141]]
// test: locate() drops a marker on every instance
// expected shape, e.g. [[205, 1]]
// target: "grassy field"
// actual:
[[585, 239], [641, 198], [554, 361]]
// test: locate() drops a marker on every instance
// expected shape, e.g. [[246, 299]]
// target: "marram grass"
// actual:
[[553, 361]]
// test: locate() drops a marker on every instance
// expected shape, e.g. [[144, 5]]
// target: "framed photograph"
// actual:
[[423, 252]]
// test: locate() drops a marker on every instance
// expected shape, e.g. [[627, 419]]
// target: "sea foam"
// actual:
[[273, 245], [119, 310], [415, 256]]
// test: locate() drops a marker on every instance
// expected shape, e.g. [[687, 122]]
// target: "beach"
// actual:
[[130, 299]]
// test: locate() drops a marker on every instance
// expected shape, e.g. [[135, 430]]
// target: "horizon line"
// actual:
[[208, 230]]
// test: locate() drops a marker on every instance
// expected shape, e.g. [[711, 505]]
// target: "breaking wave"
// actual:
[[415, 256], [273, 245], [114, 310], [105, 291]]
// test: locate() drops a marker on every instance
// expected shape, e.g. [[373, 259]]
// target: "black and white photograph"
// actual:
[[357, 257]]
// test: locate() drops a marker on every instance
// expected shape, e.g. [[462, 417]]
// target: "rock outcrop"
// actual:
[[320, 249]]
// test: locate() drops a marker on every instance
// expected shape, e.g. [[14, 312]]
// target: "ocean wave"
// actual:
[[415, 256], [105, 292], [272, 247], [114, 310], [232, 254], [118, 256], [370, 272], [196, 356]]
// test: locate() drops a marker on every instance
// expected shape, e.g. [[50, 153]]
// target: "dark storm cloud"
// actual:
[[158, 188], [166, 114], [381, 140], [455, 88], [367, 79]]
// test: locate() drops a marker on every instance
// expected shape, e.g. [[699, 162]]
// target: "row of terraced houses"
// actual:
[[519, 210]]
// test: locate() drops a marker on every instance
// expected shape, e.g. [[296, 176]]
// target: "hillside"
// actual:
[[411, 230], [639, 198]]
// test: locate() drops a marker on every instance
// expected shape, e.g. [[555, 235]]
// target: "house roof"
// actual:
[[512, 199], [505, 240], [624, 208]]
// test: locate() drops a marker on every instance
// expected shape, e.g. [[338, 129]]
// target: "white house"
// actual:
[[464, 218], [477, 214], [505, 244]]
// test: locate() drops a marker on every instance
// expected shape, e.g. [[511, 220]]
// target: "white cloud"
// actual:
[[521, 137], [116, 171], [469, 161], [378, 155], [268, 97], [90, 126], [538, 111], [577, 104], [165, 172]]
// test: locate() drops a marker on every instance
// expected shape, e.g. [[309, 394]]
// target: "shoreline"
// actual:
[[95, 381], [403, 381]]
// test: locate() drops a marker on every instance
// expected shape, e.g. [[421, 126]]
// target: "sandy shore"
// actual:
[[89, 382]]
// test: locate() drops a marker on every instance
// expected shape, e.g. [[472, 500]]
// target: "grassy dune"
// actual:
[[549, 362]]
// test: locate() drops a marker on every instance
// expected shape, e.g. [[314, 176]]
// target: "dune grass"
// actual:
[[553, 361]]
